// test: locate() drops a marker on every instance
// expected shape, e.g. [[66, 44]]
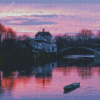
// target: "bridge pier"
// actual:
[[96, 56]]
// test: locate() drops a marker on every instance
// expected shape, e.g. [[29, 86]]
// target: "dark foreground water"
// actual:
[[46, 81]]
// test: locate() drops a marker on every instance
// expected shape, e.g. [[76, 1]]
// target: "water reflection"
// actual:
[[80, 62], [43, 74], [51, 76], [1, 90], [10, 82], [85, 72]]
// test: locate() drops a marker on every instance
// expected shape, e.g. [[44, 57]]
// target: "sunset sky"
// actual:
[[55, 16]]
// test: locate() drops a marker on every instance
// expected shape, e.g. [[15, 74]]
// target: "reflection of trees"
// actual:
[[64, 70], [66, 66], [98, 70], [87, 72], [68, 70], [84, 72], [63, 66], [10, 81], [1, 90], [81, 62]]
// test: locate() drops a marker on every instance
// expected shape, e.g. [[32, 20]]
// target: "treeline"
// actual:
[[13, 50], [84, 38]]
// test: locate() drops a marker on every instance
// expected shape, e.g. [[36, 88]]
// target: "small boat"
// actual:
[[71, 86]]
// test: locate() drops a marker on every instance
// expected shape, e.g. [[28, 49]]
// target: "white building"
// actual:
[[44, 41]]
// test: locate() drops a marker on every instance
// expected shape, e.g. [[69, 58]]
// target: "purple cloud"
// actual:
[[50, 1], [30, 22]]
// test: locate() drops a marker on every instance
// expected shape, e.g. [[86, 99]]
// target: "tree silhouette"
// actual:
[[25, 36], [10, 34], [85, 34], [98, 34], [2, 31]]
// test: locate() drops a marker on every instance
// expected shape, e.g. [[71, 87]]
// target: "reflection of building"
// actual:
[[54, 64], [44, 70], [43, 81], [44, 73]]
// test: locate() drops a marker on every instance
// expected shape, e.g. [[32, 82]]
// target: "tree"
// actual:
[[6, 33], [98, 34], [59, 40], [10, 34], [25, 36], [85, 34], [97, 38], [84, 37], [2, 31], [67, 38]]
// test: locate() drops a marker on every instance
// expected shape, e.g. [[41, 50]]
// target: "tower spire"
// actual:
[[43, 30]]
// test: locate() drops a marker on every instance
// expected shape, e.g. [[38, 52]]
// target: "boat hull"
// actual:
[[71, 86]]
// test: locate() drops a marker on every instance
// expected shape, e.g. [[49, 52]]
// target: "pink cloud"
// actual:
[[70, 18]]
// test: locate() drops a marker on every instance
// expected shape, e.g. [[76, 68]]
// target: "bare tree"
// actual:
[[85, 34], [25, 36], [10, 34], [2, 31], [98, 34]]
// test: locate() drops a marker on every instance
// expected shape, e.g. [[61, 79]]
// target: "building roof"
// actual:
[[43, 33]]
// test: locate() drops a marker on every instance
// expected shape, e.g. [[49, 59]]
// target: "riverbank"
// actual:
[[23, 61]]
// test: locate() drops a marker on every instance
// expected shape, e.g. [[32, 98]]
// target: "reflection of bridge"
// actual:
[[95, 50]]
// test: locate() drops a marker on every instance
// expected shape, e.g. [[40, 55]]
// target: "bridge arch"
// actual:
[[96, 53], [66, 48]]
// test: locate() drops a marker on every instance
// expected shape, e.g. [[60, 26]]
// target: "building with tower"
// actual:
[[44, 41]]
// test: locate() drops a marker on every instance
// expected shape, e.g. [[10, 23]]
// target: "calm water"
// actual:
[[46, 81]]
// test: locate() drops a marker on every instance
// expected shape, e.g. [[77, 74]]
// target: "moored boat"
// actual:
[[71, 86]]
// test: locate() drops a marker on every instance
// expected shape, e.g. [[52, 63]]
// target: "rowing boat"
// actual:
[[71, 86]]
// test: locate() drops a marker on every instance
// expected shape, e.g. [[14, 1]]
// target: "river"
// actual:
[[46, 81]]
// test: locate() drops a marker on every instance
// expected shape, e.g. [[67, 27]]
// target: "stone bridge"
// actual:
[[94, 49]]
